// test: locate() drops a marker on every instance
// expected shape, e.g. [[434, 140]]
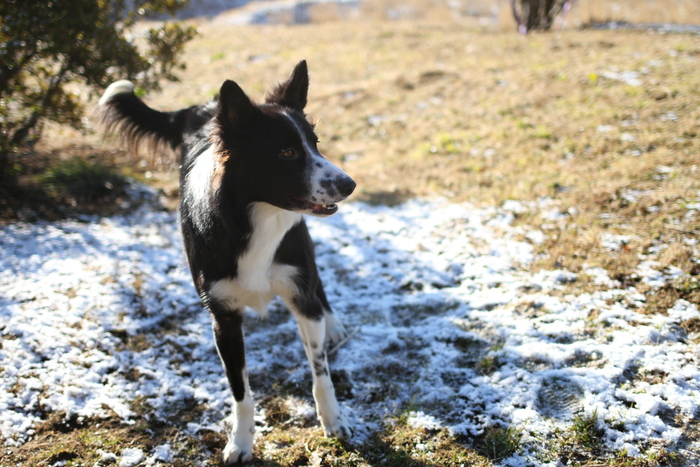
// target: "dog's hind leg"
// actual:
[[312, 328], [335, 331], [228, 332]]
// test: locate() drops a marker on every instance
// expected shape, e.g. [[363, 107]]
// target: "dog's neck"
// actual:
[[269, 226]]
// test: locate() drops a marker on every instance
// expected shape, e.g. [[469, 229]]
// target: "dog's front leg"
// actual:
[[313, 334], [228, 332], [335, 331]]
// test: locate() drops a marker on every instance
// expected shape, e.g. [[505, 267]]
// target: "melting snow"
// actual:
[[131, 457], [631, 78], [614, 242], [447, 319]]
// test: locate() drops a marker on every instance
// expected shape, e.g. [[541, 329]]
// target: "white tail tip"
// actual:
[[118, 87]]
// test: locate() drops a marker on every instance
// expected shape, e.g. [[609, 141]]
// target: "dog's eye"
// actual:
[[288, 154]]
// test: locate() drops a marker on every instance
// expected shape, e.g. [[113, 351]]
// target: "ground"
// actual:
[[561, 167]]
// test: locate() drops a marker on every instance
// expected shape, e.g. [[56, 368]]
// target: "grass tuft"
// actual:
[[586, 431], [500, 443]]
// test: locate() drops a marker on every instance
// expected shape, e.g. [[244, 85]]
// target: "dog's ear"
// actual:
[[236, 110], [293, 92]]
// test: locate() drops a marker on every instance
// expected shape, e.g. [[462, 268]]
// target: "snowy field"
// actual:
[[445, 317]]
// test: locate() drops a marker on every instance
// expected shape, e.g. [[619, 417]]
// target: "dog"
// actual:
[[249, 173]]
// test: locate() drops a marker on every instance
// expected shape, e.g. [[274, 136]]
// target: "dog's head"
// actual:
[[270, 151]]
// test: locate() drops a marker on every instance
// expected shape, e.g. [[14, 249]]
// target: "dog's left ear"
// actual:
[[236, 110], [293, 92]]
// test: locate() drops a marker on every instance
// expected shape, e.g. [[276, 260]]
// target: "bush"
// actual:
[[44, 46]]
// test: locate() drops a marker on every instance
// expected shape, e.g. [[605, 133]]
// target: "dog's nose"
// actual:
[[345, 185]]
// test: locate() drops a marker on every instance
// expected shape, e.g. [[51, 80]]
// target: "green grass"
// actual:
[[82, 180], [500, 443], [586, 431]]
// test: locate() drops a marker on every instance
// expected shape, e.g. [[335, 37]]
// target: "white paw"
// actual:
[[239, 449], [237, 454], [337, 427], [335, 331]]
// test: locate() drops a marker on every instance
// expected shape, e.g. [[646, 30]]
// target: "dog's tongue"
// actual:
[[325, 210]]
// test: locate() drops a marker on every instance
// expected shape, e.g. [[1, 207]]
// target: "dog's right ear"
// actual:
[[293, 92], [236, 110]]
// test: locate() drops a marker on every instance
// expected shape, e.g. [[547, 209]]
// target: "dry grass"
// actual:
[[83, 442], [635, 11], [426, 109]]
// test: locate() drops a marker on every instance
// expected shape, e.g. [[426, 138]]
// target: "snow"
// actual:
[[612, 242], [107, 457], [131, 457], [447, 319], [630, 78], [163, 453], [422, 420]]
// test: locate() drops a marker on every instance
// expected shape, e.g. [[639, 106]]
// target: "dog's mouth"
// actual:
[[313, 208]]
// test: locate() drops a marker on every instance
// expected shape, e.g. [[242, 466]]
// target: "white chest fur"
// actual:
[[259, 279]]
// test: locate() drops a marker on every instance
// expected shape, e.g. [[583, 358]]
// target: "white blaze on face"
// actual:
[[321, 174]]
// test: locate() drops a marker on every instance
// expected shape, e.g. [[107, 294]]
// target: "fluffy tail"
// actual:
[[125, 115]]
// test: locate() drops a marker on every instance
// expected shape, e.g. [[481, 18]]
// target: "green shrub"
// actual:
[[46, 45]]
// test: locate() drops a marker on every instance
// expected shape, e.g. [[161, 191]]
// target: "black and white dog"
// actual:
[[249, 173]]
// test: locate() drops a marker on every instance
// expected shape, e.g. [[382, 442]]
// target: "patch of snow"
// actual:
[[131, 457], [303, 409], [376, 120], [600, 277], [683, 311], [612, 242], [107, 457], [447, 317], [632, 196], [647, 271], [421, 420], [553, 214], [535, 236], [515, 206], [163, 453], [669, 116], [630, 78]]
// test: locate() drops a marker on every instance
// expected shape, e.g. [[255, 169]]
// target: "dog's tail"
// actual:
[[123, 114]]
